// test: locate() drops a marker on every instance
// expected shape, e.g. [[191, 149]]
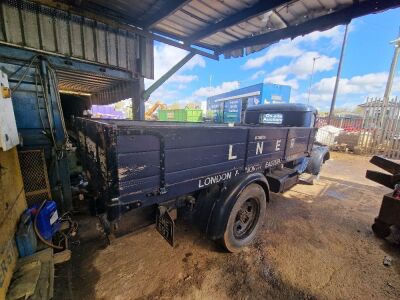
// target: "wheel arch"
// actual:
[[221, 209]]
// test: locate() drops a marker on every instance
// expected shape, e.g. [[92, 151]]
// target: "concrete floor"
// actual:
[[316, 243]]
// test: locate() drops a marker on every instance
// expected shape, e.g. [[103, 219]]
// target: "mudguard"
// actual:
[[218, 208], [319, 155]]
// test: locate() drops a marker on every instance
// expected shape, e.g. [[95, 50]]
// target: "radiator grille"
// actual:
[[34, 174]]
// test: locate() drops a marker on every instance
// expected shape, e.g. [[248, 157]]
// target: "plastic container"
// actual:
[[25, 236], [47, 222]]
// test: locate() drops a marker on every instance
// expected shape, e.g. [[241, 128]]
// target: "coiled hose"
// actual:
[[41, 238]]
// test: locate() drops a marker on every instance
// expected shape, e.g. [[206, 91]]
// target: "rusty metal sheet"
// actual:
[[28, 24]]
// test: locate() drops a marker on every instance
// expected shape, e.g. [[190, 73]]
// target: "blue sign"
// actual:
[[227, 107], [232, 111]]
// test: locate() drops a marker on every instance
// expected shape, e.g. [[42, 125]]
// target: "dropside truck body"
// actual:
[[135, 164]]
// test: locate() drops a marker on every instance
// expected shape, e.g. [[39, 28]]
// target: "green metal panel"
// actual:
[[180, 115]]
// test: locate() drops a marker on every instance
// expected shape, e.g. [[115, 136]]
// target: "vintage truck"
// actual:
[[225, 172]]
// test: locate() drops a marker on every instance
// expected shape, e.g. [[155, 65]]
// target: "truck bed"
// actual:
[[140, 163]]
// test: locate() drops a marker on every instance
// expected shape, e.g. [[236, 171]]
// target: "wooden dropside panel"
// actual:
[[96, 149], [183, 159], [166, 157], [138, 160], [266, 147]]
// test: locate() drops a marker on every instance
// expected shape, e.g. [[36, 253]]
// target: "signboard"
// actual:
[[216, 111], [232, 110]]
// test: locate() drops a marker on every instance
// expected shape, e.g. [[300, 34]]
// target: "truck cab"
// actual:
[[291, 115], [281, 115]]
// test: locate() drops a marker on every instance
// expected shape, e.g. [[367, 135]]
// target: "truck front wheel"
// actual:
[[245, 218]]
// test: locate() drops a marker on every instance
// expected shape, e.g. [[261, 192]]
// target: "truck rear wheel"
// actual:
[[245, 218]]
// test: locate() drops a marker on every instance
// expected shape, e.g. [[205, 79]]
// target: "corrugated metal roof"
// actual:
[[228, 26], [84, 82]]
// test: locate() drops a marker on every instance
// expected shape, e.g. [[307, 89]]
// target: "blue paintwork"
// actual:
[[155, 163], [28, 107], [275, 93], [229, 110]]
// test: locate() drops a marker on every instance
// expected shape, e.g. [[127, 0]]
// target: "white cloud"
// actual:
[[257, 75], [164, 95], [183, 78], [335, 35], [282, 79], [165, 57], [302, 66], [372, 84], [196, 61], [293, 48], [284, 49], [215, 90], [352, 91]]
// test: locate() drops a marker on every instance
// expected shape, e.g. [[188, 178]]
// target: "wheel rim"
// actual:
[[246, 218]]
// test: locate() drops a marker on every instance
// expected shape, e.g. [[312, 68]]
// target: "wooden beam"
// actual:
[[340, 17], [239, 17]]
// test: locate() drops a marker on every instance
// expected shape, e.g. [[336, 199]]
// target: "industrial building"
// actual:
[[229, 107]]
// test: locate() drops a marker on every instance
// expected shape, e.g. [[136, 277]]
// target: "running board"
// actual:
[[282, 180]]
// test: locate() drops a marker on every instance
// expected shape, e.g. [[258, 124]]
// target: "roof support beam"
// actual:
[[343, 16], [241, 16], [184, 47], [166, 9], [166, 76]]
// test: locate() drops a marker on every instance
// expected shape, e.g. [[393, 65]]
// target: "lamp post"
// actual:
[[311, 78], [335, 90]]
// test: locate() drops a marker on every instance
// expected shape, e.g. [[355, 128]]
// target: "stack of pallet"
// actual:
[[347, 141]]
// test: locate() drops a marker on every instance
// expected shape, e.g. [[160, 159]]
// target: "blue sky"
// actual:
[[366, 64]]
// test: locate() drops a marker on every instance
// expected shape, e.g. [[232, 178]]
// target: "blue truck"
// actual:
[[224, 173]]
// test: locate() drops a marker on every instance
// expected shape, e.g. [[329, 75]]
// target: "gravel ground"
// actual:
[[316, 243]]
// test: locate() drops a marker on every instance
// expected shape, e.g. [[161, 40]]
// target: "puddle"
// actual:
[[335, 194]]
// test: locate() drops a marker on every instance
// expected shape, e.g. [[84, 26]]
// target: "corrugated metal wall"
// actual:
[[39, 122], [27, 24]]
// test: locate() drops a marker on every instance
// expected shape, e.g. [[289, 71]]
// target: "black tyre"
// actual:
[[381, 229], [245, 218]]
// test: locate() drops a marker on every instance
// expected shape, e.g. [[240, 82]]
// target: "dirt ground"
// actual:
[[316, 243]]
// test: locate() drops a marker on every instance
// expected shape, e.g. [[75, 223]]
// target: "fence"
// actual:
[[346, 123], [380, 133], [376, 132]]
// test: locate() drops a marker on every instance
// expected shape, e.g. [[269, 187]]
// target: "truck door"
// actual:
[[298, 143]]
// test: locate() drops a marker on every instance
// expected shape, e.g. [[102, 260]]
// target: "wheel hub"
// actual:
[[246, 218]]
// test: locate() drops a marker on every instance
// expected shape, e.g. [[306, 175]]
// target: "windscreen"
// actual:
[[271, 118]]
